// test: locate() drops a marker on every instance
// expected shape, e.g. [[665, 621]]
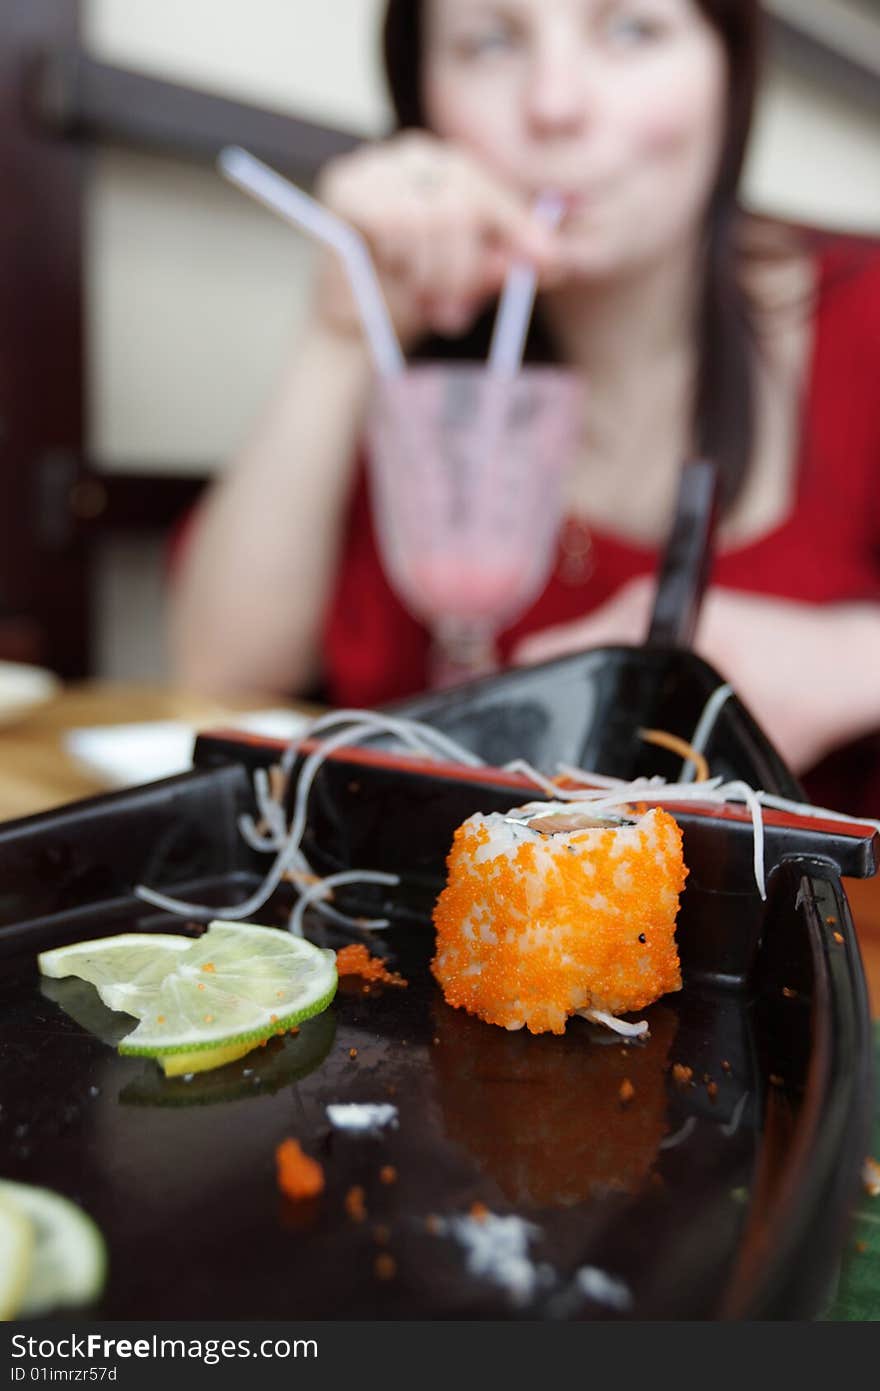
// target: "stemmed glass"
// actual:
[[467, 469], [467, 460]]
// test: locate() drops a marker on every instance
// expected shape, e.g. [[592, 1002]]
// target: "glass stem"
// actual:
[[461, 650]]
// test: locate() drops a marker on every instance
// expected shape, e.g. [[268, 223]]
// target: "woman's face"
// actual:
[[617, 104]]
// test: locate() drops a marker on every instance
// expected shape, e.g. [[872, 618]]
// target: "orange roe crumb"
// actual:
[[209, 1018], [209, 966], [294, 1030], [788, 992], [479, 1212], [385, 1266], [712, 1090], [776, 1080], [160, 1018], [355, 960], [627, 1091], [298, 1175], [861, 1247], [839, 938], [725, 1066], [352, 1053], [355, 1205], [388, 1174], [682, 1075], [831, 921], [871, 1178]]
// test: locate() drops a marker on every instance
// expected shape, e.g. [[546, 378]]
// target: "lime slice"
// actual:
[[69, 1259], [237, 985], [126, 970], [16, 1254]]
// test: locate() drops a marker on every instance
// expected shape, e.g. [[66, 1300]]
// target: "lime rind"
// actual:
[[253, 1036], [69, 1261], [206, 1060]]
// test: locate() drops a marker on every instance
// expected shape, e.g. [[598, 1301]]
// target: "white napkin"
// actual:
[[124, 755]]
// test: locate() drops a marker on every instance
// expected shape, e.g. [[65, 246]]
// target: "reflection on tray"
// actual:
[[262, 1071], [543, 1116], [82, 1002]]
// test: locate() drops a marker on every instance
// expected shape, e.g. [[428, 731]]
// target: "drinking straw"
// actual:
[[298, 208], [518, 299]]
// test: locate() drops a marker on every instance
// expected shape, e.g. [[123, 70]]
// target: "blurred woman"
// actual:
[[699, 330]]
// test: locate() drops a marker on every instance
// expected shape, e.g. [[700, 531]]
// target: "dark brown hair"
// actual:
[[724, 409]]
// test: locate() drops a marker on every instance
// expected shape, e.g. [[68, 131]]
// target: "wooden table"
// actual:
[[36, 773]]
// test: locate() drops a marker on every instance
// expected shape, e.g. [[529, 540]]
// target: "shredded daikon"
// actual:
[[705, 726], [767, 799], [619, 1026], [358, 727], [332, 881], [733, 1124], [671, 1142], [593, 793]]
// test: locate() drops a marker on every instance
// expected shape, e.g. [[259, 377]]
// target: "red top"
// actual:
[[826, 551]]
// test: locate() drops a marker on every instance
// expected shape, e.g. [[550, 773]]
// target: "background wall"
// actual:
[[194, 294]]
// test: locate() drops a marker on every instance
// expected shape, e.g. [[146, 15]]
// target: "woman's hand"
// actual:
[[442, 230], [809, 674]]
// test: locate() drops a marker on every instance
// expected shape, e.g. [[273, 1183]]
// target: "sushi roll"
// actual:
[[549, 911]]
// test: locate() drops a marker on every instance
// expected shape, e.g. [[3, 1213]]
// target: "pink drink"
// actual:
[[464, 589], [466, 473]]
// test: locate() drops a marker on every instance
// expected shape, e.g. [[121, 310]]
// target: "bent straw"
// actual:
[[518, 299], [298, 208]]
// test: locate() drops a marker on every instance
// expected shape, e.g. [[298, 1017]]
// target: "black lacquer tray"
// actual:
[[721, 1190], [722, 1194]]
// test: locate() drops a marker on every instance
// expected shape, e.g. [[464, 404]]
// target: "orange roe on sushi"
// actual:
[[298, 1175], [546, 917]]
